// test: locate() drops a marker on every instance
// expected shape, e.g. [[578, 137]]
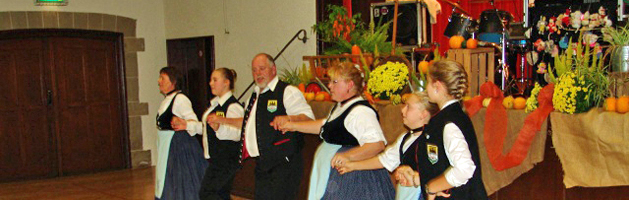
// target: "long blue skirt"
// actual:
[[367, 184], [185, 167]]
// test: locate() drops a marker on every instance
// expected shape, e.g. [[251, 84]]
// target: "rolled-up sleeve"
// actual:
[[459, 155], [362, 123], [182, 108], [295, 103], [228, 132], [390, 158]]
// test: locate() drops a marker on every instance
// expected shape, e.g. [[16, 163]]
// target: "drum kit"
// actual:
[[496, 28]]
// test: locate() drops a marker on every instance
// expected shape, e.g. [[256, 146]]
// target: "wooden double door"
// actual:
[[62, 108]]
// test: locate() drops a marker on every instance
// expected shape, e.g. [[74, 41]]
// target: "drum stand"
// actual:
[[504, 66]]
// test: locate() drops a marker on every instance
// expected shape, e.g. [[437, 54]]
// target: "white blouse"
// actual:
[[182, 108], [225, 131], [390, 158], [361, 122], [458, 153]]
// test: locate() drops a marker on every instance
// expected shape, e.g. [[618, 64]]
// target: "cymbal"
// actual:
[[456, 6]]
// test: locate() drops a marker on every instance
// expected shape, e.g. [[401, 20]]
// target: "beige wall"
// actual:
[[253, 26], [150, 26]]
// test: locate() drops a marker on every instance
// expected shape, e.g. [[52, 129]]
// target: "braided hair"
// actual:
[[452, 74]]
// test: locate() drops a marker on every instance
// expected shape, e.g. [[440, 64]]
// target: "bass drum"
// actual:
[[460, 24], [491, 21]]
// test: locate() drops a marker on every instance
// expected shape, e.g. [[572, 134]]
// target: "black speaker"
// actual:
[[413, 22]]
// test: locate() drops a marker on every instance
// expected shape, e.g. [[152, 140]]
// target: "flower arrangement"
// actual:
[[570, 92], [531, 102], [582, 81], [387, 80]]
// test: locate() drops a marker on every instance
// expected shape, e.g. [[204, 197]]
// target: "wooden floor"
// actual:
[[126, 184]]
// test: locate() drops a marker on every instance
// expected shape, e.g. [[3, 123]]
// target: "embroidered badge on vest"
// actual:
[[271, 105], [433, 155], [220, 113]]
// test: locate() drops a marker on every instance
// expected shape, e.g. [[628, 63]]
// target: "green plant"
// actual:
[[290, 76], [295, 76], [618, 36], [581, 80], [343, 32]]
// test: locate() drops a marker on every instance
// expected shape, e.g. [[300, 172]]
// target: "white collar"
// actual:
[[350, 102], [221, 100], [270, 86], [448, 103]]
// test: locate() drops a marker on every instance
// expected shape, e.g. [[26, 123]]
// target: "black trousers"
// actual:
[[218, 179], [280, 182]]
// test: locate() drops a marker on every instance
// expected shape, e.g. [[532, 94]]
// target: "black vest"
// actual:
[[275, 147], [433, 136], [334, 132], [163, 120], [225, 150]]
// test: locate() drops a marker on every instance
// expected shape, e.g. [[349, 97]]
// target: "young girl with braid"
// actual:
[[416, 113], [447, 162]]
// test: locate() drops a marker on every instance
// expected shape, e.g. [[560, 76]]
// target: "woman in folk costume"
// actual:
[[416, 112], [180, 163], [351, 132], [220, 141], [446, 163]]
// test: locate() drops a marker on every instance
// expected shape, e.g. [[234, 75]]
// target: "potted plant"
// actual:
[[619, 39]]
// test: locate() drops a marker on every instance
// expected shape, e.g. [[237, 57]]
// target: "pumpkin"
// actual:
[[486, 102], [507, 102], [519, 103], [456, 41], [610, 104], [423, 67], [622, 104], [472, 43]]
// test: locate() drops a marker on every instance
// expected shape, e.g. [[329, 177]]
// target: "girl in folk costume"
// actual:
[[447, 162], [351, 132], [416, 113], [220, 140], [180, 162]]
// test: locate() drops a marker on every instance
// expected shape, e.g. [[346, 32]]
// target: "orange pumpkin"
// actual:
[[456, 41], [423, 66], [472, 43], [610, 104], [622, 105], [519, 103]]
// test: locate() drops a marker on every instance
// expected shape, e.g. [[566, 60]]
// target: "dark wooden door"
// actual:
[[63, 106], [194, 57], [26, 138], [90, 129]]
